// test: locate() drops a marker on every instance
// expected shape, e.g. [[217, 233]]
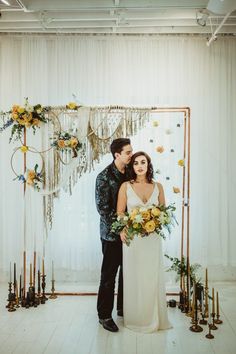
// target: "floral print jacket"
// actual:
[[108, 183]]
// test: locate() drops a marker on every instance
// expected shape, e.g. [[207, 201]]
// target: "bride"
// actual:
[[145, 308]]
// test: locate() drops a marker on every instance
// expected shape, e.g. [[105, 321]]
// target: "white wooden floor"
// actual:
[[69, 325]]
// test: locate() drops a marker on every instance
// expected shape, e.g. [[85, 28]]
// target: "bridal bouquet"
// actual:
[[142, 221]]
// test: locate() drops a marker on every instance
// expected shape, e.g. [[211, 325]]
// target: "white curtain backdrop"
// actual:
[[138, 71]]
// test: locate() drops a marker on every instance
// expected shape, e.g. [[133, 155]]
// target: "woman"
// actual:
[[145, 307]]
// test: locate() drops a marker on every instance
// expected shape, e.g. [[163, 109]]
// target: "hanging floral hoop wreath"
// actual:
[[31, 177]]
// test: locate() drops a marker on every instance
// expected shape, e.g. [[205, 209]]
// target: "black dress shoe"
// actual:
[[109, 325], [120, 313]]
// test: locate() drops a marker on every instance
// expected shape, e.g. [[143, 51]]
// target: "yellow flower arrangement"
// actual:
[[73, 106], [66, 141], [143, 221], [21, 117]]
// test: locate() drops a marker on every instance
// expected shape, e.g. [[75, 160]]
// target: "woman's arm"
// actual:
[[122, 199], [121, 206], [161, 197]]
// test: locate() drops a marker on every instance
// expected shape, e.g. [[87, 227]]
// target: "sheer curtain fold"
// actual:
[[136, 71]]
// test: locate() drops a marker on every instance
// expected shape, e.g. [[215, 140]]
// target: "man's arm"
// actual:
[[102, 197]]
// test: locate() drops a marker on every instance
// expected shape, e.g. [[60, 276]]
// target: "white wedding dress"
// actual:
[[145, 308]]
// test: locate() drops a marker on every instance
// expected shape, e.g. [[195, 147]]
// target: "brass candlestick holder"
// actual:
[[53, 295], [209, 335], [11, 299], [195, 327], [213, 326], [43, 298]]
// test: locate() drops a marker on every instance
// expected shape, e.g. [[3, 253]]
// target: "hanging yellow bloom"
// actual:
[[181, 163], [24, 148], [30, 181], [71, 105], [160, 149], [36, 122], [155, 123], [176, 190]]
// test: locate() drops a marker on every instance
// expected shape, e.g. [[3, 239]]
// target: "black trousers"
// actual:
[[112, 261]]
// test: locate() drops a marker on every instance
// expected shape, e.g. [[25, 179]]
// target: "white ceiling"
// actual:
[[118, 16]]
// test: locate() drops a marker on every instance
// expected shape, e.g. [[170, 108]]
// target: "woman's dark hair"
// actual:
[[133, 175], [118, 144]]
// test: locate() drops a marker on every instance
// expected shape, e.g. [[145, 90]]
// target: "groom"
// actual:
[[108, 183]]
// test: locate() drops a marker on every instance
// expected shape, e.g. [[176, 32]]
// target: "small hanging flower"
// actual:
[[176, 190], [155, 123], [160, 149], [73, 106], [181, 163]]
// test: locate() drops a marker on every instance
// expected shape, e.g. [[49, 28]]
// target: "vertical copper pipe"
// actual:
[[188, 206], [24, 224], [183, 198]]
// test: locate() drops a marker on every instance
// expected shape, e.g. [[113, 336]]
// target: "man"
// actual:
[[108, 183]]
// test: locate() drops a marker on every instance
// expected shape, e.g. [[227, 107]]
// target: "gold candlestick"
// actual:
[[30, 274], [34, 270], [217, 321], [213, 300], [43, 267]]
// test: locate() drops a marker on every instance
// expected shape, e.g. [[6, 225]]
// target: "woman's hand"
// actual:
[[123, 236]]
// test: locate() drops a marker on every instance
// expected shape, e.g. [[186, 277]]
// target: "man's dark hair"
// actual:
[[118, 144]]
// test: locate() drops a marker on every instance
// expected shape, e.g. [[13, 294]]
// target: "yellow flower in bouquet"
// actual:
[[30, 181], [146, 214], [133, 214], [20, 110], [155, 211], [150, 226]]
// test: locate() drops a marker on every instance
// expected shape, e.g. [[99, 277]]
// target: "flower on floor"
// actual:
[[66, 141], [32, 178], [142, 221], [21, 117], [73, 106]]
